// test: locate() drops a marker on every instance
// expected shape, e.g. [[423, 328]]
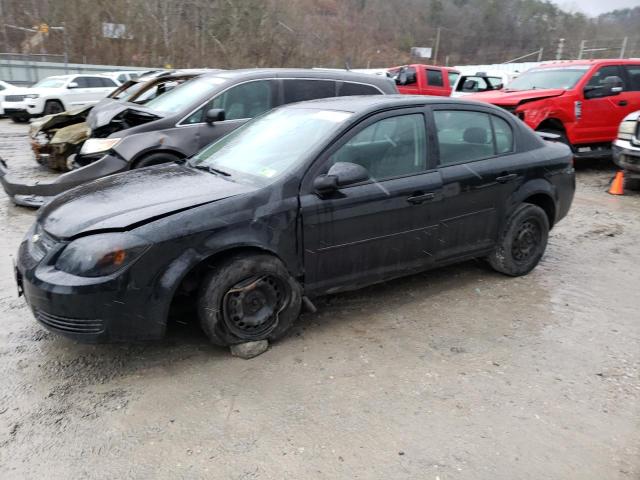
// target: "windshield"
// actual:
[[565, 78], [270, 145], [180, 98], [128, 92], [49, 83]]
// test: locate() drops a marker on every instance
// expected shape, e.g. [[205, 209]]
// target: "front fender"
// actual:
[[135, 146]]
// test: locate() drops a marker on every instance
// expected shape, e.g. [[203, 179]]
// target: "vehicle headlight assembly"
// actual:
[[100, 255], [627, 129], [97, 145], [32, 95]]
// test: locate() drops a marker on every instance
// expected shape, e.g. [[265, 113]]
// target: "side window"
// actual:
[[301, 90], [463, 136], [504, 135], [633, 72], [246, 100], [388, 148], [107, 82], [348, 88], [83, 82], [434, 78], [453, 77], [603, 72]]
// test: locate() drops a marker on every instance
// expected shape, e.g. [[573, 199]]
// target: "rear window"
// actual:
[[349, 88], [302, 90], [434, 78]]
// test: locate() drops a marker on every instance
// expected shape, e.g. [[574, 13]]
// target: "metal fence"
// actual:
[[26, 70]]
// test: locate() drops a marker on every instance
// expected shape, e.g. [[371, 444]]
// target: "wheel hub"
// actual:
[[526, 241], [252, 306]]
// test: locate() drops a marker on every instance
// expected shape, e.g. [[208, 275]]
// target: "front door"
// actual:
[[479, 172], [380, 228]]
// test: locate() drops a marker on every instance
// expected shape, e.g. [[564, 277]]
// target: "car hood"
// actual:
[[60, 120], [110, 110], [119, 201], [512, 98]]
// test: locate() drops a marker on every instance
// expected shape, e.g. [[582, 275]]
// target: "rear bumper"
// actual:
[[627, 157], [37, 194]]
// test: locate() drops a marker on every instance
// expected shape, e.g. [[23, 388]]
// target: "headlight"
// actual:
[[100, 255], [97, 145], [627, 129], [31, 95]]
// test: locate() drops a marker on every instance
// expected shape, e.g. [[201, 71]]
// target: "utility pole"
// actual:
[[63, 28], [540, 54], [583, 43], [435, 50], [560, 49], [624, 47]]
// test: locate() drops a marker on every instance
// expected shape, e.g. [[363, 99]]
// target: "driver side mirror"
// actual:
[[73, 85], [215, 115], [341, 174], [612, 85], [469, 85]]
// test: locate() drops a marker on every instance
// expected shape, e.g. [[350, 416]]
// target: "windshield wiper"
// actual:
[[209, 169]]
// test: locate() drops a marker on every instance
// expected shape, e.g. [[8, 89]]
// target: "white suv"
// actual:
[[56, 94]]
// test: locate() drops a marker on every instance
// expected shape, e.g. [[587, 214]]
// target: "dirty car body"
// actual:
[[55, 138], [351, 192], [174, 126]]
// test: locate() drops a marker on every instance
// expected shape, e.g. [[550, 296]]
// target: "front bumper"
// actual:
[[89, 310], [626, 155], [37, 194]]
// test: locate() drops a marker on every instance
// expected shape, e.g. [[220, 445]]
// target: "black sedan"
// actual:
[[309, 199]]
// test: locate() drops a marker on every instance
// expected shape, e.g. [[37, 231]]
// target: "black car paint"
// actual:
[[322, 241]]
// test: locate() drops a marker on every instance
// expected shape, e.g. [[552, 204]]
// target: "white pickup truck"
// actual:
[[56, 94]]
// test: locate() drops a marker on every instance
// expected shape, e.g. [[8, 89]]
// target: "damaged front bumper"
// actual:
[[37, 194], [626, 155]]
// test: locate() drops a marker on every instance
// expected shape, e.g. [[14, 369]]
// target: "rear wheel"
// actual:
[[246, 298], [157, 158], [52, 107], [522, 242], [19, 119]]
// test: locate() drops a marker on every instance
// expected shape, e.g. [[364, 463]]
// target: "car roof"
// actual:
[[369, 103], [344, 75], [576, 63]]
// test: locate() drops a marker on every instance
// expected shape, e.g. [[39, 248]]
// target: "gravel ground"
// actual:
[[459, 373]]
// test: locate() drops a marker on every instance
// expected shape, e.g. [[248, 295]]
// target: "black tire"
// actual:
[[522, 241], [53, 107], [563, 136], [248, 297], [19, 119], [631, 183], [157, 158]]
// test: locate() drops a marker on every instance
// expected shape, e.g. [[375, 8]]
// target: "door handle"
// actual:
[[506, 178], [623, 103], [421, 197]]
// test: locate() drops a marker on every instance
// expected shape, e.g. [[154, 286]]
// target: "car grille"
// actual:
[[70, 325], [14, 98]]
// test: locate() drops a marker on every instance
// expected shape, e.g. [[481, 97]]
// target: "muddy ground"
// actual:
[[459, 373]]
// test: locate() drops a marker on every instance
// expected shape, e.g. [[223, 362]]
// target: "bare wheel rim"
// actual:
[[526, 240], [251, 307]]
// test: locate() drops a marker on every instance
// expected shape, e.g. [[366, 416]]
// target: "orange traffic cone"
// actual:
[[617, 186]]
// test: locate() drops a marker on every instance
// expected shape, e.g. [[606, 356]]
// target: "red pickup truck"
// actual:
[[582, 101], [424, 79]]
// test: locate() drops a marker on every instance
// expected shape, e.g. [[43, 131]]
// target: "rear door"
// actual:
[[480, 169], [435, 83], [380, 228], [632, 81]]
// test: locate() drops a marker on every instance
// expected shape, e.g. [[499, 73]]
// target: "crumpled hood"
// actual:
[[108, 109], [59, 120], [513, 98], [118, 201]]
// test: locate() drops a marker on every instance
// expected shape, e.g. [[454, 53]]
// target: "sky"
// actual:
[[595, 7]]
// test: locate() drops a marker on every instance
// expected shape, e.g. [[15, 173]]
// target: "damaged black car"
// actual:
[[306, 200], [179, 123]]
